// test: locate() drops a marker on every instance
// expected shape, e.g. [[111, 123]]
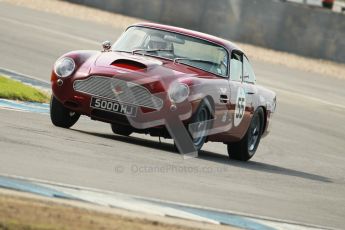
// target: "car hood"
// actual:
[[139, 67]]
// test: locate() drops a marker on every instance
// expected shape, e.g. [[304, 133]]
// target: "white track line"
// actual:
[[303, 96], [21, 74], [13, 109]]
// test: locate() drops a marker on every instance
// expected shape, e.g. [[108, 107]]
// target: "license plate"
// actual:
[[114, 107]]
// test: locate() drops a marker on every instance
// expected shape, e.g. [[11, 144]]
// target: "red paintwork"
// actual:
[[161, 70]]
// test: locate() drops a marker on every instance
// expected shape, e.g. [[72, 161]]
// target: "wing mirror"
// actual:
[[106, 46]]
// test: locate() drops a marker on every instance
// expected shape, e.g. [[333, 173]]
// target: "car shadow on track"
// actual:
[[214, 157], [134, 140], [264, 167]]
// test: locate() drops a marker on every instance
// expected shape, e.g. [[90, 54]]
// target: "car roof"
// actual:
[[219, 41]]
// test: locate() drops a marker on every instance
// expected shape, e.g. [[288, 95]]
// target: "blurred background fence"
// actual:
[[295, 28]]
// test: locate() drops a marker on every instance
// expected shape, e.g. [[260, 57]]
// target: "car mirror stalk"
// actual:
[[106, 46]]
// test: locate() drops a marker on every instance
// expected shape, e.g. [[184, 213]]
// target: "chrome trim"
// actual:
[[59, 62], [59, 82]]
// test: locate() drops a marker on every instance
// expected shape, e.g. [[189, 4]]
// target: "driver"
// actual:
[[156, 42], [162, 46]]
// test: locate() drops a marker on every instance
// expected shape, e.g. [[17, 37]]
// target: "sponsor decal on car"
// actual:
[[240, 106]]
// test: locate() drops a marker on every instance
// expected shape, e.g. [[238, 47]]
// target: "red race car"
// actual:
[[169, 82]]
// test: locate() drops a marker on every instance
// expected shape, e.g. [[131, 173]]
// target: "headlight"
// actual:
[[64, 67], [178, 92]]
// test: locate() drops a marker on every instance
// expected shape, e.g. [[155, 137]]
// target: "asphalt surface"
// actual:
[[297, 174]]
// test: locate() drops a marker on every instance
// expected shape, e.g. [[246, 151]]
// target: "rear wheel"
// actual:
[[246, 148], [60, 115], [121, 129]]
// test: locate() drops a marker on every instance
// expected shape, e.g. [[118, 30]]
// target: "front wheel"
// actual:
[[60, 115], [121, 129], [246, 148], [200, 124]]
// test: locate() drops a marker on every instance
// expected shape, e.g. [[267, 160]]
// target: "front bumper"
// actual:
[[153, 108]]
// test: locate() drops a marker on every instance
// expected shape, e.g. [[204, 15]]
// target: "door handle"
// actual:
[[224, 99]]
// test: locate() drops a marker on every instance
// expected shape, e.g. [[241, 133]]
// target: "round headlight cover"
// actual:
[[64, 67], [178, 92]]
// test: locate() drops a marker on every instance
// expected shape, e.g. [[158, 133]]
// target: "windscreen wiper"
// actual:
[[151, 50], [176, 60]]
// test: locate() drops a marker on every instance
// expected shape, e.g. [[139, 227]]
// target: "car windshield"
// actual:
[[180, 48]]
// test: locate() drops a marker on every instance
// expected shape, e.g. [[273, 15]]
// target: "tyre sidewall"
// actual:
[[240, 150], [204, 104], [60, 115]]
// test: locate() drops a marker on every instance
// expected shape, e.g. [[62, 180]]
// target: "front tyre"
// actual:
[[246, 148], [121, 129], [60, 115], [200, 121]]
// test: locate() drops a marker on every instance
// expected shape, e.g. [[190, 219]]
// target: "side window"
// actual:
[[235, 67], [248, 71]]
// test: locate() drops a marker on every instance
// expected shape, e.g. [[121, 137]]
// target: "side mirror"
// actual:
[[106, 46]]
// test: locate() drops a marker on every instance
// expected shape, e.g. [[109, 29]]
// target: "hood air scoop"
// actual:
[[129, 64]]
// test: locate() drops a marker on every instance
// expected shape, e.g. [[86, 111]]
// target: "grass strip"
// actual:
[[15, 90]]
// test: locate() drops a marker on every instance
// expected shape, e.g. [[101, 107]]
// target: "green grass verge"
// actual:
[[14, 90]]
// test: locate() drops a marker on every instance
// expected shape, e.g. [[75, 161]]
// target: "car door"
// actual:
[[249, 80], [241, 94]]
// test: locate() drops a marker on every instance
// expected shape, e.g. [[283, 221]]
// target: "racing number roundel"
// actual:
[[240, 106]]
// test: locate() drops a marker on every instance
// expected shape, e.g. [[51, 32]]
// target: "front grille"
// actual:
[[118, 90]]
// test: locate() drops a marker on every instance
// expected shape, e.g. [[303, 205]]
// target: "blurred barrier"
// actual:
[[295, 28]]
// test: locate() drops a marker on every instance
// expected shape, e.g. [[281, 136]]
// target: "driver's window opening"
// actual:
[[236, 72], [248, 72]]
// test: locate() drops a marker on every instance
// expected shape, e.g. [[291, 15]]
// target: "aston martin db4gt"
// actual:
[[166, 81]]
